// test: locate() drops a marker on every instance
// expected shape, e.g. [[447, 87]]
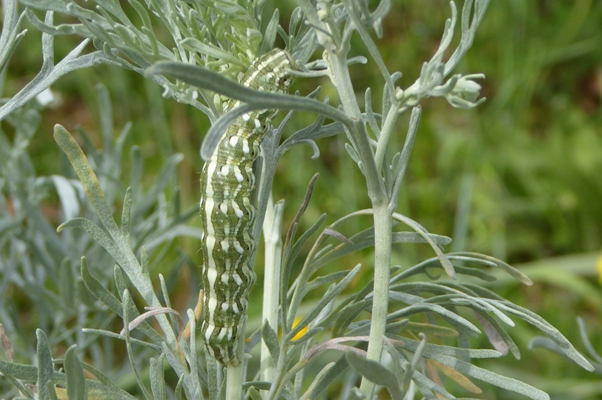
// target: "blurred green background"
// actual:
[[519, 177]]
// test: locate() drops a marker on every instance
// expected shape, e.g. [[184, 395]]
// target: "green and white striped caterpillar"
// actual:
[[228, 217]]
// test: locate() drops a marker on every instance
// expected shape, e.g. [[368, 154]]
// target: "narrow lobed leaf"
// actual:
[[45, 370], [88, 178], [375, 372], [270, 338], [76, 380]]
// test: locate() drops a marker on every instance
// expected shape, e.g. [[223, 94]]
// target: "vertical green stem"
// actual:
[[382, 215], [272, 227], [382, 274], [235, 375], [336, 57]]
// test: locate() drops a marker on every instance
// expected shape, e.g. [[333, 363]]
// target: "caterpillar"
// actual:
[[228, 217]]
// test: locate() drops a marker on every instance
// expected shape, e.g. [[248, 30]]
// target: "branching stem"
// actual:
[[379, 199]]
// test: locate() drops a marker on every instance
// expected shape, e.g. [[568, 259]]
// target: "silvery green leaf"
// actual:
[[400, 167], [337, 369], [290, 234], [323, 280], [117, 336], [352, 153], [427, 387], [493, 378], [44, 381], [127, 305], [365, 239], [408, 374], [330, 294], [212, 380], [290, 256], [376, 373], [50, 391], [477, 273], [144, 262], [397, 326], [97, 233], [417, 356], [89, 180], [120, 282], [76, 380], [346, 315], [482, 292], [106, 297], [10, 37], [454, 319], [270, 338], [427, 328], [193, 44], [66, 282], [17, 372], [126, 214], [315, 381], [102, 387], [157, 378], [396, 359], [588, 345], [432, 350], [98, 290], [48, 75], [179, 395], [546, 343], [370, 115], [269, 36], [206, 79], [447, 265], [309, 134], [469, 26], [165, 177], [296, 248], [549, 330], [451, 294], [515, 273], [175, 362]]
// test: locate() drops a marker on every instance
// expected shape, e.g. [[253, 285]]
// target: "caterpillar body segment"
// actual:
[[228, 217]]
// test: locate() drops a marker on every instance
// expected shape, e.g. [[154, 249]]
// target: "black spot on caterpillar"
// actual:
[[228, 217]]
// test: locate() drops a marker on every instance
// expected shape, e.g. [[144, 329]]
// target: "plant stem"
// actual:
[[235, 375], [336, 58], [234, 382], [382, 215], [382, 275], [272, 228]]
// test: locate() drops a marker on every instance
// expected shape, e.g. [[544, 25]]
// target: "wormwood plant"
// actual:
[[415, 329]]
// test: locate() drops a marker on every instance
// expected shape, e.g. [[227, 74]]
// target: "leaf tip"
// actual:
[[59, 132]]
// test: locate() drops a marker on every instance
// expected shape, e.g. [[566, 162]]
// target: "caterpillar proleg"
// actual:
[[228, 217]]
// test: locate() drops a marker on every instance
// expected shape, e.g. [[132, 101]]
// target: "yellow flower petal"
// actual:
[[301, 332]]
